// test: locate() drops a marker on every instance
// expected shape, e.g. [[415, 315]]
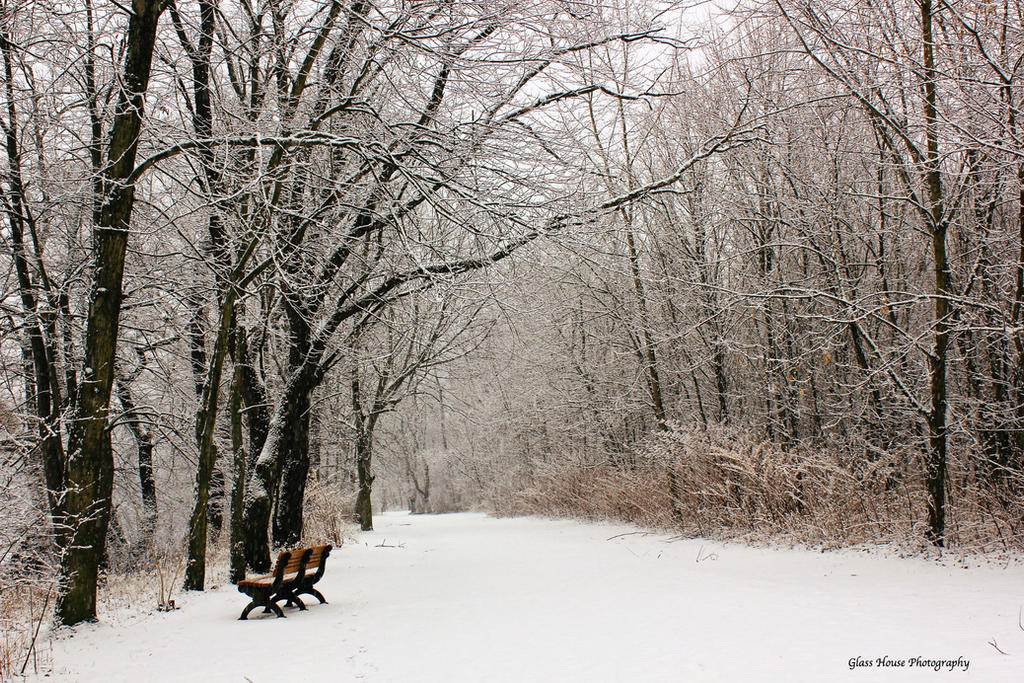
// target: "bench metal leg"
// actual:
[[248, 608], [294, 601], [290, 599], [267, 608], [316, 594]]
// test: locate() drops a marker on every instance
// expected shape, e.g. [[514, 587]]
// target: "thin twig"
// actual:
[[35, 636], [701, 556]]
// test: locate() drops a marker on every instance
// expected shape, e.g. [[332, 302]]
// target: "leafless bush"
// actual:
[[988, 520], [24, 609], [722, 483], [27, 566], [328, 514]]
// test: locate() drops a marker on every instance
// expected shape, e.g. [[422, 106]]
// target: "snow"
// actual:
[[469, 598]]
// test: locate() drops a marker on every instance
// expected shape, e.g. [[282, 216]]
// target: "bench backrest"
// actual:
[[302, 561], [316, 564]]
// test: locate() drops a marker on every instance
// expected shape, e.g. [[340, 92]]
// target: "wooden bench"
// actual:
[[295, 573]]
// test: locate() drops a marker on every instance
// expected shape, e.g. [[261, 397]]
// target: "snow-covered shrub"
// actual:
[[723, 483], [328, 514], [28, 581]]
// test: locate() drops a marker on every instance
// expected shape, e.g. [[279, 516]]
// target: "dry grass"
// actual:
[[27, 575], [328, 516], [720, 483], [27, 604], [24, 611]]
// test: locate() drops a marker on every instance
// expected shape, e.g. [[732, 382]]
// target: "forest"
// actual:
[[750, 269]]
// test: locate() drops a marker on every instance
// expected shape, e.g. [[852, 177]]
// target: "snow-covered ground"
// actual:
[[470, 598]]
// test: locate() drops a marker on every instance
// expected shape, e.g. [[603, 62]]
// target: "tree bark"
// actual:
[[263, 480], [364, 458], [935, 471], [237, 551], [206, 422], [90, 470], [364, 470], [288, 521]]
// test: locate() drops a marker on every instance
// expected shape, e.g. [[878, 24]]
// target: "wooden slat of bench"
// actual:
[[258, 581], [269, 579], [291, 568], [295, 560]]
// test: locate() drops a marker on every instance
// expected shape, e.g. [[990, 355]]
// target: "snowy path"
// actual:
[[470, 598]]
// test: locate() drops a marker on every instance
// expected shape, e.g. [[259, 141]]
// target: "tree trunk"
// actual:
[[263, 479], [935, 471], [41, 387], [293, 452], [218, 492], [364, 470], [721, 385], [90, 471], [237, 572], [364, 457], [419, 499], [294, 472], [255, 402], [206, 422]]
